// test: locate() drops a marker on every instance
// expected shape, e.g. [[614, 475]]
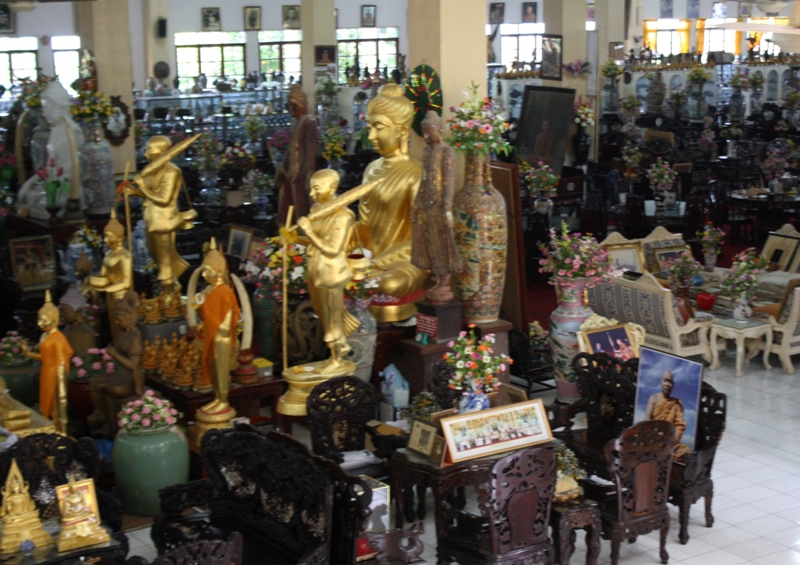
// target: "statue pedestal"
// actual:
[[208, 421], [302, 379], [441, 322], [418, 360]]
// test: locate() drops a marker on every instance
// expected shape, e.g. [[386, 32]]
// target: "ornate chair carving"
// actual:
[[515, 508], [785, 328], [218, 552], [639, 462]]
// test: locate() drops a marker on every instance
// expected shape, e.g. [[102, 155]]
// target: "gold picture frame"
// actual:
[[780, 250], [667, 254], [421, 437], [493, 431], [627, 257], [86, 489], [606, 339]]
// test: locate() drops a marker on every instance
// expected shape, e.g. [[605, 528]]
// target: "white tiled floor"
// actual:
[[756, 483]]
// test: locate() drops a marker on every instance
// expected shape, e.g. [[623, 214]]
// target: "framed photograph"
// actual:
[[7, 22], [85, 490], [719, 10], [256, 244], [667, 255], [291, 17], [497, 13], [613, 340], [368, 15], [668, 388], [511, 394], [436, 418], [780, 250], [693, 9], [252, 18], [324, 55], [543, 128], [627, 257], [552, 48], [666, 9], [211, 19], [33, 262], [744, 10], [529, 12], [421, 437], [496, 430], [239, 241], [118, 126]]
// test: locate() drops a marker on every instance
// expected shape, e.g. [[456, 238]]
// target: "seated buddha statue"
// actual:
[[80, 525], [20, 516], [384, 214], [142, 311], [151, 353]]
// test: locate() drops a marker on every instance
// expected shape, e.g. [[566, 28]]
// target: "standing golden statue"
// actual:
[[54, 353], [433, 247], [116, 274], [159, 184], [20, 517], [80, 523], [384, 214]]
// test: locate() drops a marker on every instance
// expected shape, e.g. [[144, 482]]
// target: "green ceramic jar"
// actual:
[[146, 462]]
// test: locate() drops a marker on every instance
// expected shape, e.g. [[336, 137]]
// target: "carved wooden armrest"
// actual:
[[562, 415], [177, 498]]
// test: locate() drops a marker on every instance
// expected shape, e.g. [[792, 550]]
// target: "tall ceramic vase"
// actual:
[[97, 170], [565, 321], [479, 228]]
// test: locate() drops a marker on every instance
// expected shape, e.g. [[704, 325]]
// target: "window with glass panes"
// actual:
[[279, 50], [764, 43], [520, 42], [67, 59], [214, 53], [371, 47], [18, 59], [718, 39], [667, 37]]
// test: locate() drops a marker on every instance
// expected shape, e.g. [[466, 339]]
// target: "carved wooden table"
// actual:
[[739, 331], [567, 517]]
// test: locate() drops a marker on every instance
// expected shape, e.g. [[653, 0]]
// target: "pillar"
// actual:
[[449, 35], [319, 28], [104, 30], [610, 18], [155, 48]]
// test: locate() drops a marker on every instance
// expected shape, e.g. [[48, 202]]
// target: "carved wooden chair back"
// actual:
[[639, 462], [608, 387], [205, 552], [338, 412]]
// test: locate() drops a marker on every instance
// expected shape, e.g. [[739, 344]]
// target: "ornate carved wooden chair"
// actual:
[[639, 462], [205, 552], [515, 508]]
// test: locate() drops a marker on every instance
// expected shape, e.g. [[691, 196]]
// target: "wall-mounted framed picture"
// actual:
[[211, 21], [552, 50], [497, 13], [493, 431], [7, 21], [118, 126], [544, 125], [693, 9], [324, 55], [33, 262], [291, 17], [252, 18], [368, 15], [529, 12]]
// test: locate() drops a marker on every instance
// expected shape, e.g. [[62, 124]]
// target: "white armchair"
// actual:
[[785, 328]]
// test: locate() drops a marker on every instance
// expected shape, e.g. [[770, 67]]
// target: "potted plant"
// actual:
[[254, 128], [711, 241], [278, 144], [234, 162], [609, 96], [150, 453], [55, 188], [422, 406], [257, 187], [475, 368], [740, 282], [543, 185], [662, 178], [568, 473], [539, 339], [773, 167], [334, 141], [583, 115]]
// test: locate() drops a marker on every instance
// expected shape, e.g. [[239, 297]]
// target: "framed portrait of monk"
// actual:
[[33, 262], [543, 129], [668, 388]]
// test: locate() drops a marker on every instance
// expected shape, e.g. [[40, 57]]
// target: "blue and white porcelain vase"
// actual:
[[97, 170], [473, 402]]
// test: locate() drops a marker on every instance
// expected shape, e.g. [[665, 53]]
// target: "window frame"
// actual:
[[281, 57], [359, 41], [221, 46], [683, 30]]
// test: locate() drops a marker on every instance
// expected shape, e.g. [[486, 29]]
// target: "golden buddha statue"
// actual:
[[167, 362], [150, 357], [141, 312], [384, 214], [173, 304], [153, 315], [80, 524], [20, 516]]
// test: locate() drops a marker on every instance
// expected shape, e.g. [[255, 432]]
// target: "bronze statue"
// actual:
[[20, 516], [433, 247], [79, 334], [299, 163], [109, 390]]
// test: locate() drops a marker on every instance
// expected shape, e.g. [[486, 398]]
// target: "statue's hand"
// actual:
[[304, 224]]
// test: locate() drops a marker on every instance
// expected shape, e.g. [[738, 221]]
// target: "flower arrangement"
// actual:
[[632, 157], [333, 141], [782, 126], [86, 236], [661, 176], [582, 113], [791, 59], [141, 130], [579, 67], [253, 127], [741, 279], [176, 135], [574, 256], [256, 182], [95, 361], [610, 69], [476, 127], [11, 349], [147, 413], [677, 99], [542, 180], [711, 238], [698, 75], [326, 85], [739, 81], [422, 406], [707, 135], [791, 99], [474, 362], [90, 104], [630, 106], [206, 151], [266, 268], [756, 80], [567, 464], [279, 140], [53, 181], [774, 165], [683, 269], [236, 157], [32, 91], [358, 293], [537, 335]]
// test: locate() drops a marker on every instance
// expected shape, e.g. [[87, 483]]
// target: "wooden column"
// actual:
[[319, 28]]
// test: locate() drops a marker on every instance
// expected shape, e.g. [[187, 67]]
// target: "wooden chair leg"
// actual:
[[408, 503], [709, 516], [663, 546], [616, 538], [421, 501], [683, 519]]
